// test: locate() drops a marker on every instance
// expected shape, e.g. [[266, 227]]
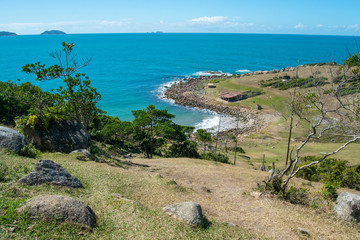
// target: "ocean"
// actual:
[[131, 70]]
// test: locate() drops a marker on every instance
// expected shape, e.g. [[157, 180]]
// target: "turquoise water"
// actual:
[[129, 70]]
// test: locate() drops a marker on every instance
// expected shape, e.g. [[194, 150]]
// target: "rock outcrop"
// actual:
[[347, 206], [46, 171], [59, 207], [65, 136], [11, 139], [190, 212]]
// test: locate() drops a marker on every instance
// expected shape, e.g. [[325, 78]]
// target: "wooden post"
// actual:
[[217, 135], [236, 140]]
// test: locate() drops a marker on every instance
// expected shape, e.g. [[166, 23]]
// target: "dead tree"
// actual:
[[326, 111]]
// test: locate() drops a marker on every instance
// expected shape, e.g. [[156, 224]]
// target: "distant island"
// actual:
[[7, 34], [53, 32]]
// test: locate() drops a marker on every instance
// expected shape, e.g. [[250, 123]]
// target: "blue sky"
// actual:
[[328, 17]]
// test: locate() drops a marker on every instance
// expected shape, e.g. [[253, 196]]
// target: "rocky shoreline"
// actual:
[[189, 92]]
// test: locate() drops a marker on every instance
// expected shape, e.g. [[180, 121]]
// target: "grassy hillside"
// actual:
[[224, 191], [142, 218]]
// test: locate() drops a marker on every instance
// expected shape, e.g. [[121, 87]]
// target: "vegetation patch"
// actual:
[[217, 80], [285, 82], [331, 171], [348, 84]]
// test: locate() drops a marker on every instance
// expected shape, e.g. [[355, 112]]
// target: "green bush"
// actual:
[[332, 171], [328, 191], [29, 151], [285, 83], [297, 195], [215, 157], [184, 149], [293, 195], [217, 80]]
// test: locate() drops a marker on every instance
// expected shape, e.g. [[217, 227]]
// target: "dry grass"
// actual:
[[225, 195]]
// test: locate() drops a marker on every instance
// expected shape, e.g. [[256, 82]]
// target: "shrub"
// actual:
[[328, 191], [351, 178], [286, 83], [293, 195], [29, 151], [332, 171], [215, 157], [184, 149]]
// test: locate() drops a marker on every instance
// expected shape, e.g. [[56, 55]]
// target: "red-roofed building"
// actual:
[[232, 96]]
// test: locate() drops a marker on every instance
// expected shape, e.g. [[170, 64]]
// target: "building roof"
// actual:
[[231, 94]]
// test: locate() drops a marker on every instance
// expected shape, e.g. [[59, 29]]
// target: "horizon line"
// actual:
[[160, 32]]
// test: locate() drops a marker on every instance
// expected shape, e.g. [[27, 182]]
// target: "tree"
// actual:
[[77, 100], [328, 112], [150, 128], [204, 137]]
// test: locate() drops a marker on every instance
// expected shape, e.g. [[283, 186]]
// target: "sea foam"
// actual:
[[210, 73], [211, 124], [243, 71]]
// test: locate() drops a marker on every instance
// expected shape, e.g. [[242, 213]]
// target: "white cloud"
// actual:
[[67, 26], [354, 27], [215, 19], [113, 23], [39, 24], [299, 26], [319, 26]]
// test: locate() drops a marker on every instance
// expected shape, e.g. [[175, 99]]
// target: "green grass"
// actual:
[[275, 151], [116, 219]]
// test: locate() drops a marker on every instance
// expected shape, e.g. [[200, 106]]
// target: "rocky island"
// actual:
[[7, 34], [53, 32]]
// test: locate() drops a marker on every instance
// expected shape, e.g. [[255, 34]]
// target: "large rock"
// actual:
[[64, 136], [190, 212], [46, 171], [11, 139], [59, 207], [347, 206]]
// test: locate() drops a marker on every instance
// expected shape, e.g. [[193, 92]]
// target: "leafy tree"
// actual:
[[10, 106], [77, 100], [151, 127]]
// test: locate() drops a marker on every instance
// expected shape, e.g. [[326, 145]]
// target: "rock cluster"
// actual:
[[59, 207], [46, 171], [11, 139]]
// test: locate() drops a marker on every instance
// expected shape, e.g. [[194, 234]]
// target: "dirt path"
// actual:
[[224, 193]]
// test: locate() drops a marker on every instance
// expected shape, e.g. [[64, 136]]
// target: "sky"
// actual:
[[320, 17]]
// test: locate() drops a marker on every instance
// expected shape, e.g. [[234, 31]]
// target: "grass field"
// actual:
[[117, 219]]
